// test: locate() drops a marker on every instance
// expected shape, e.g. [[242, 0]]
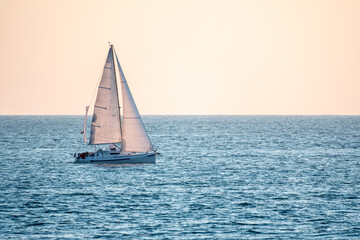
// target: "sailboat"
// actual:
[[126, 135]]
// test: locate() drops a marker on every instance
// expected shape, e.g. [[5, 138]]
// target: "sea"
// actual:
[[218, 177]]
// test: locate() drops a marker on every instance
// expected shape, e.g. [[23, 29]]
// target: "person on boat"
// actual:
[[112, 147]]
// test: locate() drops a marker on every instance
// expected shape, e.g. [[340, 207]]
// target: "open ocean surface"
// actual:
[[218, 177]]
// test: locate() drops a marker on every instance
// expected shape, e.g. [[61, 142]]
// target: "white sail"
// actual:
[[134, 135], [84, 132], [105, 125]]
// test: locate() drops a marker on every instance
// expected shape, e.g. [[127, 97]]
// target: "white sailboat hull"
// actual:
[[118, 159]]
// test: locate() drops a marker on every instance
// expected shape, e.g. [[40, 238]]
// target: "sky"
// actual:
[[233, 57]]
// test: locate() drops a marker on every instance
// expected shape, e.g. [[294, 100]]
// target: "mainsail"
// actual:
[[134, 135], [105, 125]]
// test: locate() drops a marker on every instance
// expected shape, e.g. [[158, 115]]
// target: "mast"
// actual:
[[116, 85]]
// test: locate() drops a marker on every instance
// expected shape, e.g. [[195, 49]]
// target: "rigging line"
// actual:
[[98, 81]]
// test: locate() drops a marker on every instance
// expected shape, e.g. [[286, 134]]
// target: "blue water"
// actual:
[[219, 177]]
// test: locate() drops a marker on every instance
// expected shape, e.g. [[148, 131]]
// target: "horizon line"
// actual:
[[191, 114]]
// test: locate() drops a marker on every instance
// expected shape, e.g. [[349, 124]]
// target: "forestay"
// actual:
[[105, 125], [134, 135]]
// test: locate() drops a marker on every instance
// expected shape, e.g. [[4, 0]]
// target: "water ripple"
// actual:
[[218, 177]]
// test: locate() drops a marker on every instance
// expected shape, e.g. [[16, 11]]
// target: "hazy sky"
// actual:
[[183, 57]]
